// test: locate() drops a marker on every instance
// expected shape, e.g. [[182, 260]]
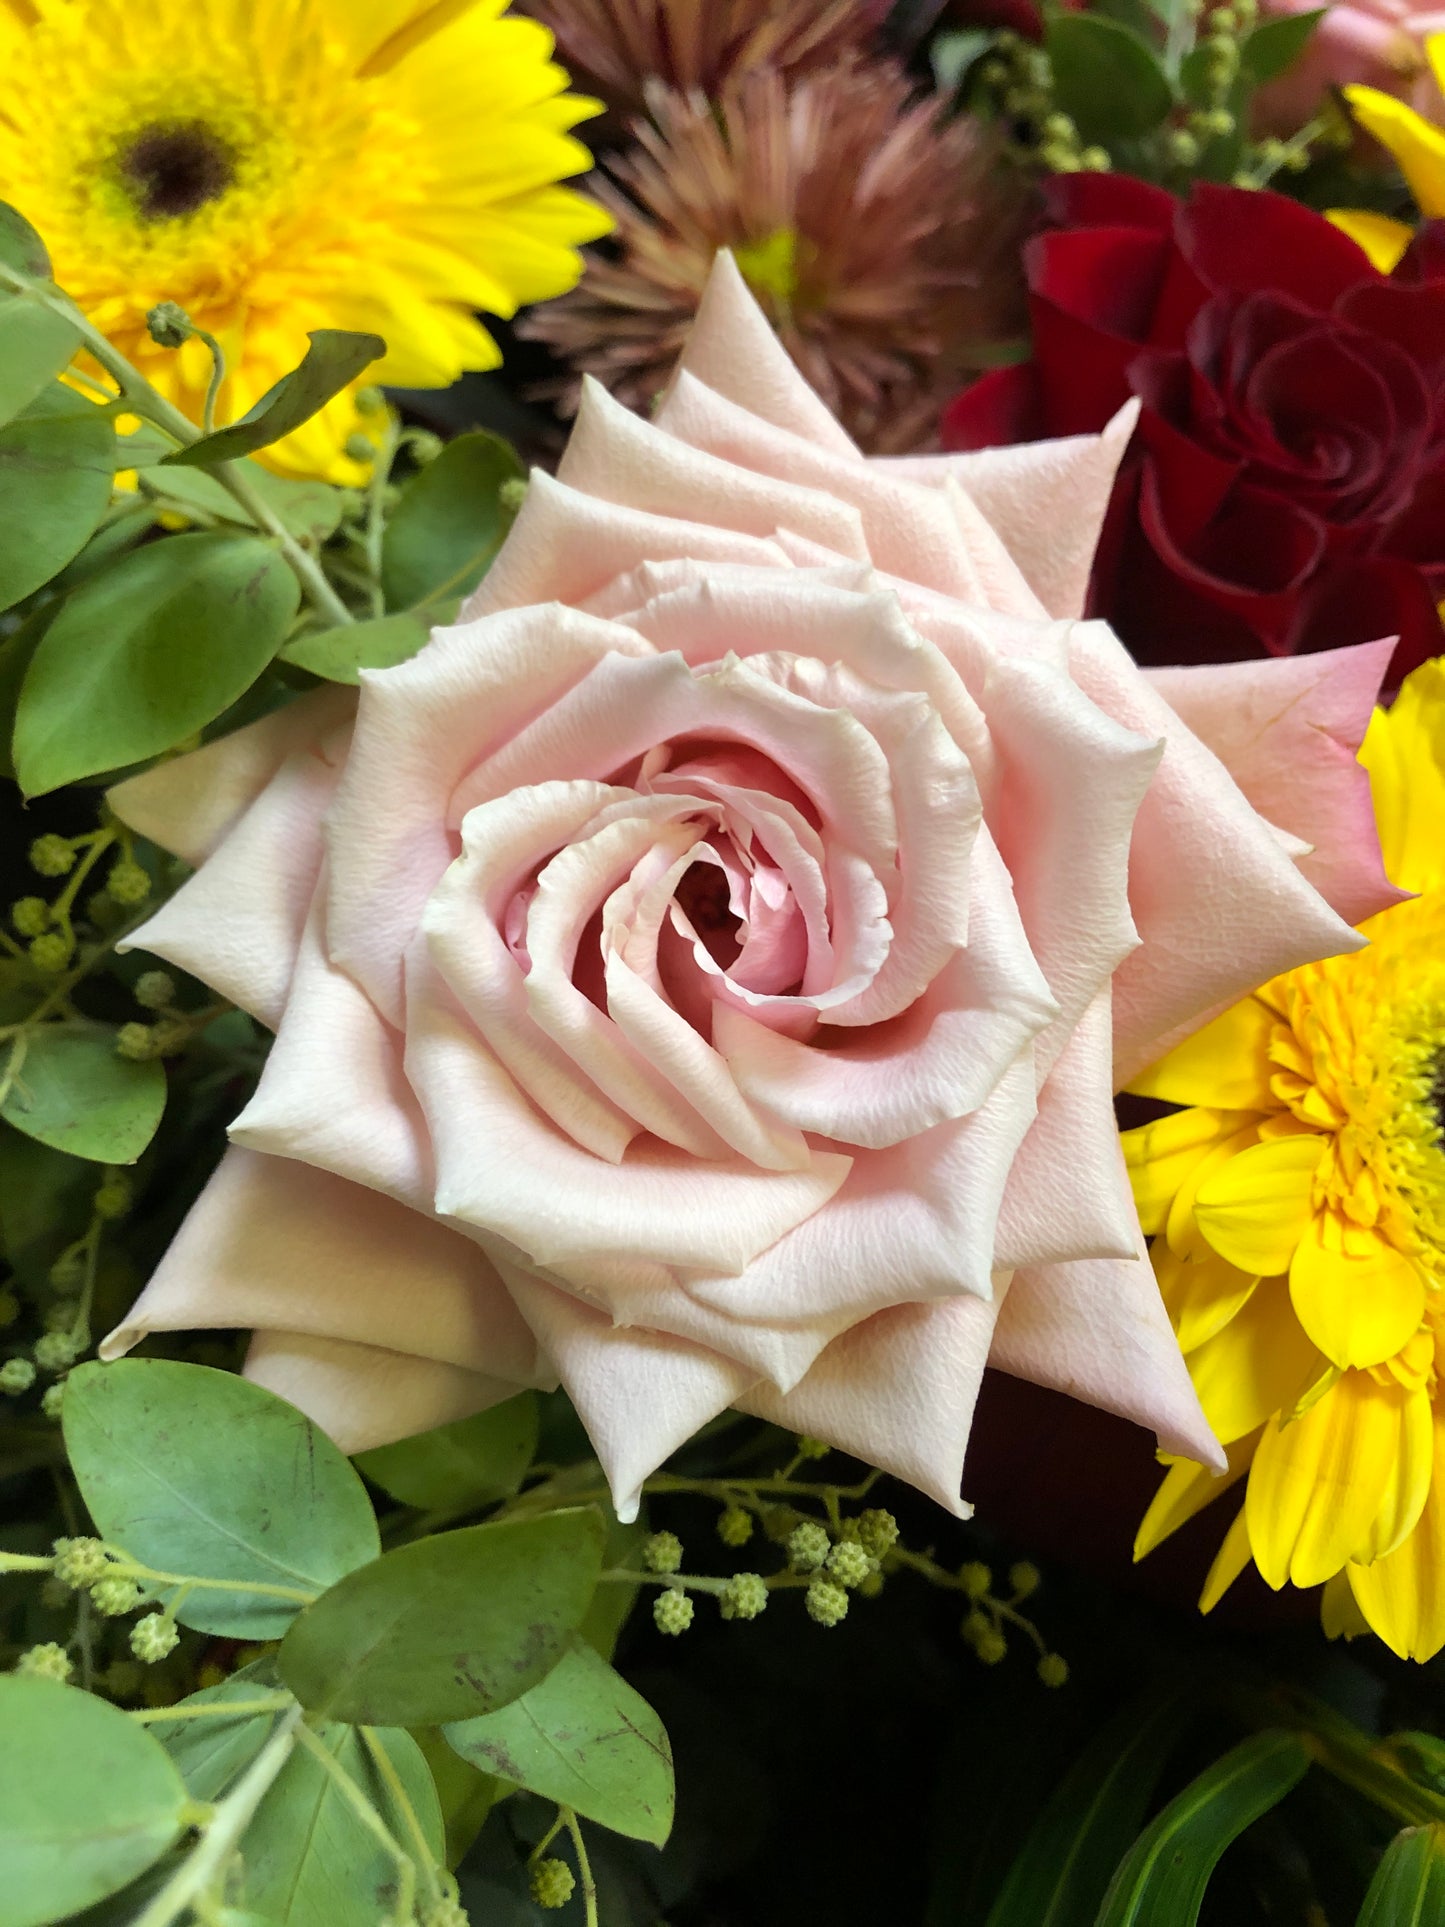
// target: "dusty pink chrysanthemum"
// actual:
[[617, 46], [870, 225]]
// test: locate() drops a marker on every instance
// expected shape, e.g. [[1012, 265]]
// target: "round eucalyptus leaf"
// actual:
[[35, 344], [198, 1472], [470, 1462], [341, 654], [56, 463], [72, 1092], [88, 1800], [449, 523]]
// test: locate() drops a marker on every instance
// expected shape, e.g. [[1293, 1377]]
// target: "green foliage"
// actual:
[[1275, 45], [36, 343], [309, 510], [1107, 78], [333, 361], [1408, 1889], [56, 463], [21, 248], [449, 523], [70, 1090], [210, 1754], [198, 1472], [584, 1738], [469, 1463], [147, 652], [447, 1627], [88, 1800], [340, 654], [1164, 1875]]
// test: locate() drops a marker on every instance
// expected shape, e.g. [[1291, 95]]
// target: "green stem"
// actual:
[[376, 510], [382, 1761], [214, 1709], [213, 387], [307, 570], [24, 1562], [223, 1833], [367, 1814], [126, 1568], [584, 1867]]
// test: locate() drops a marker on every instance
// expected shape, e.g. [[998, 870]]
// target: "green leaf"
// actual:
[[16, 653], [952, 54], [88, 1800], [341, 654], [199, 1472], [147, 652], [55, 476], [466, 1796], [1408, 1889], [211, 1753], [447, 1627], [1164, 1875], [585, 1739], [309, 1861], [449, 523], [1275, 45], [36, 343], [21, 247], [471, 1462], [1106, 77], [72, 1092], [333, 361], [308, 510], [1423, 1757], [44, 1200], [1063, 1868]]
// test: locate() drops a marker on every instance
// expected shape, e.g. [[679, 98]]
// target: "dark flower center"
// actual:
[[702, 895], [175, 168], [1435, 1096]]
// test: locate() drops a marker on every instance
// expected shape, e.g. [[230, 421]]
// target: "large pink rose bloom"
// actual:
[[701, 975], [1376, 43]]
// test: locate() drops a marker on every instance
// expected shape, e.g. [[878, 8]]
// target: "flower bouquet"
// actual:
[[724, 781]]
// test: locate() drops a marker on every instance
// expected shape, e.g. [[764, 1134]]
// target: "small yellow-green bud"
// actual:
[[153, 1637], [1243, 179], [168, 325], [9, 1309], [1095, 160], [849, 1564], [811, 1448], [1053, 1669], [359, 448], [30, 916], [56, 1351], [808, 1546], [975, 1626], [17, 1375], [114, 1595], [128, 884], [1024, 1578], [51, 953], [1059, 127], [80, 1562], [826, 1601], [446, 1912], [991, 1646], [662, 1552], [550, 1883], [370, 401], [52, 856], [425, 446], [1181, 147], [45, 1662], [877, 1531], [154, 989], [1215, 124], [745, 1596], [112, 1199], [60, 1316], [1224, 22], [67, 1274], [735, 1526], [512, 494], [135, 1042], [672, 1611], [975, 1578], [53, 1400]]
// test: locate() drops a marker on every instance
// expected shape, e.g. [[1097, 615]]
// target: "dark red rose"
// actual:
[[1285, 488]]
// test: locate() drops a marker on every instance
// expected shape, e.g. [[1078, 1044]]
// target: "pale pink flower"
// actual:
[[701, 975], [1376, 43]]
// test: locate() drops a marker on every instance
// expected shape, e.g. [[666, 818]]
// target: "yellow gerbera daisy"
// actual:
[[280, 165], [1418, 146], [1298, 1216]]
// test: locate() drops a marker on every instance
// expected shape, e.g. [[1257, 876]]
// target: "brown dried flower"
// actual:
[[614, 47], [880, 235]]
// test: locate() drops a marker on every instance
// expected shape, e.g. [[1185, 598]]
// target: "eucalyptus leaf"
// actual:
[[584, 1738], [466, 1796], [309, 1860], [1408, 1889], [212, 1752], [16, 653], [333, 361], [308, 510], [35, 344], [44, 1199], [1164, 1875], [1106, 77], [449, 522], [55, 479], [341, 654], [470, 1462], [447, 1627], [21, 248], [1275, 45], [69, 1089], [1063, 1869], [88, 1800], [199, 1472], [147, 652]]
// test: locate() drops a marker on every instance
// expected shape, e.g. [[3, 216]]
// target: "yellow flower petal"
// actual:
[[1226, 1064], [1186, 1489], [1257, 1365], [1418, 146], [1201, 1294], [1255, 1209], [1360, 1308], [1229, 1562], [1403, 1596], [1319, 1482], [1404, 751], [1340, 1615], [1408, 1486], [1180, 1230], [1161, 1155], [1382, 239]]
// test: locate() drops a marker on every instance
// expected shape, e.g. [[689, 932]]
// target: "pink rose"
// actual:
[[701, 975], [1378, 43]]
